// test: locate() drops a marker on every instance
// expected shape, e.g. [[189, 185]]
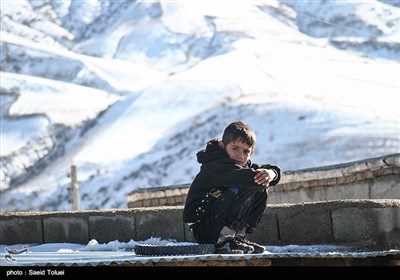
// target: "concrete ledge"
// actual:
[[373, 178], [364, 223]]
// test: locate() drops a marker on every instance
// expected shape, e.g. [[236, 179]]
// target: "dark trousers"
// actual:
[[235, 210]]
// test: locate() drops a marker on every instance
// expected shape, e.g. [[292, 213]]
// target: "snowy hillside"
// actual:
[[129, 91]]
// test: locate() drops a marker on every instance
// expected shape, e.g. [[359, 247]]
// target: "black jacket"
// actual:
[[220, 172]]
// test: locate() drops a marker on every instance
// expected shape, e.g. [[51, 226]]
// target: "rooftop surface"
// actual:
[[123, 254]]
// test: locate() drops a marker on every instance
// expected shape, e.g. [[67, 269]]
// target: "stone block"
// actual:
[[267, 232], [392, 160], [179, 200], [305, 225], [163, 201], [350, 179], [163, 222], [355, 168], [340, 180], [376, 227], [375, 164], [110, 228], [146, 203], [66, 229], [154, 202], [326, 182], [172, 192], [313, 183], [21, 230], [135, 204], [312, 175], [155, 195], [304, 184]]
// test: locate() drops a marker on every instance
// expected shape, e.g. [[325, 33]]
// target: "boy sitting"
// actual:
[[229, 195]]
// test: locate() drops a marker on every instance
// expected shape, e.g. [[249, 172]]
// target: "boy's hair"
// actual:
[[239, 130]]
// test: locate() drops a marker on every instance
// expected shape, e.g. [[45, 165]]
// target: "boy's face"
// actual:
[[239, 151]]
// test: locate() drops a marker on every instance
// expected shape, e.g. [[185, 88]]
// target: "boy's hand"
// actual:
[[264, 177]]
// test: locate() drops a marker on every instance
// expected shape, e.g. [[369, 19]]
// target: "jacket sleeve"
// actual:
[[228, 174], [275, 168]]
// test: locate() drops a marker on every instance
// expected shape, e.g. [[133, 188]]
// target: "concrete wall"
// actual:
[[373, 223], [374, 178], [159, 196]]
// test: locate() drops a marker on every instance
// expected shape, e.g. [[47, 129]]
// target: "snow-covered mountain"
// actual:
[[129, 91]]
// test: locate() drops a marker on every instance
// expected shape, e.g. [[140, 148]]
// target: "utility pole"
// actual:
[[74, 189]]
